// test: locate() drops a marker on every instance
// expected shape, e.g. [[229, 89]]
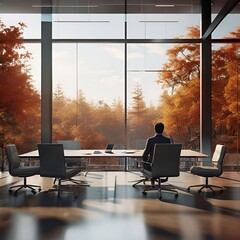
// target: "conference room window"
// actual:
[[225, 100], [20, 68], [162, 78], [88, 95]]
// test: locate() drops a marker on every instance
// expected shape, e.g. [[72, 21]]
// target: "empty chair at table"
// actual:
[[16, 170], [71, 145], [53, 165], [215, 170]]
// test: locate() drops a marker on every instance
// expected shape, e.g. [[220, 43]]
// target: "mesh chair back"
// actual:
[[218, 156], [52, 160], [166, 160], [13, 158]]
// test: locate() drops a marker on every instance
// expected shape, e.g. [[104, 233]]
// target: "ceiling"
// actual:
[[110, 6]]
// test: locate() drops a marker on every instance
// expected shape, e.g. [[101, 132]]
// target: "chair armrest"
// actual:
[[149, 163], [214, 164]]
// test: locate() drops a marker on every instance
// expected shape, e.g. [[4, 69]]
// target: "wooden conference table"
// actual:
[[84, 153]]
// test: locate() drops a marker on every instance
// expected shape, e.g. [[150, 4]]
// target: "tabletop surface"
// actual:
[[86, 153]]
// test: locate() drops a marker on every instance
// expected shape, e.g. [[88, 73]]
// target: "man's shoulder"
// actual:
[[167, 138], [164, 139]]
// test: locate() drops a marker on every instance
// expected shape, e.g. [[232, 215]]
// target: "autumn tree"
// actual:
[[19, 100], [181, 74], [138, 122], [183, 64]]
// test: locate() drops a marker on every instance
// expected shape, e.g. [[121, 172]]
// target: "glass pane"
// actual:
[[20, 96], [160, 26], [32, 22], [88, 26], [162, 78], [225, 97], [229, 24], [88, 96]]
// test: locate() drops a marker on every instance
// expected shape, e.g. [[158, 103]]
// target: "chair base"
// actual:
[[206, 185], [59, 187], [75, 181], [140, 180], [148, 179], [25, 185], [160, 189]]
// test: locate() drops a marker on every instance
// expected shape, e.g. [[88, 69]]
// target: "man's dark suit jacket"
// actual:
[[148, 151]]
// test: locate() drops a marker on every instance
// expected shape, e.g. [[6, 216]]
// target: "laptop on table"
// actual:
[[109, 148]]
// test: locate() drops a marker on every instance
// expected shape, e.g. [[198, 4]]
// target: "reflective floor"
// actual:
[[112, 209]]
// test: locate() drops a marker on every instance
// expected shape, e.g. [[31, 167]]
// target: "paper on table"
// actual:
[[130, 151]]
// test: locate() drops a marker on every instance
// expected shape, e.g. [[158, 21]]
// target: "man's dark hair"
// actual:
[[159, 128]]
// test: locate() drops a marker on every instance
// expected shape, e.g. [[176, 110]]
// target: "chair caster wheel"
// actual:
[[176, 195], [199, 191], [160, 198], [34, 192], [39, 190], [144, 193], [188, 189]]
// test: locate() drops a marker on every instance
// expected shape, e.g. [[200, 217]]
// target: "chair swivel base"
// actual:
[[32, 187], [139, 181], [160, 197], [144, 180], [206, 185], [160, 189], [75, 181]]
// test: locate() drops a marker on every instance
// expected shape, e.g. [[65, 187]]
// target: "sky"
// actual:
[[98, 69]]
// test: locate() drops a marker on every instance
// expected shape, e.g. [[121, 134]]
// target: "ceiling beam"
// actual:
[[228, 7]]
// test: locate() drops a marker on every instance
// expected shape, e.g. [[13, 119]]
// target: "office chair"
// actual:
[[210, 171], [71, 145], [136, 162], [165, 163], [16, 170], [53, 165], [74, 145]]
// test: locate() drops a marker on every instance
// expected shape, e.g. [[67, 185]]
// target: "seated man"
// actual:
[[148, 151]]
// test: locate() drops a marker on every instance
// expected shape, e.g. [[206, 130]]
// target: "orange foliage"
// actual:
[[19, 101]]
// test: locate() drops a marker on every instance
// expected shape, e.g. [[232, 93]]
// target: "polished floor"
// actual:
[[112, 209]]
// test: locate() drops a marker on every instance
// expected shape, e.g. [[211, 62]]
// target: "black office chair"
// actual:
[[210, 171], [165, 163], [16, 170], [71, 145], [53, 165]]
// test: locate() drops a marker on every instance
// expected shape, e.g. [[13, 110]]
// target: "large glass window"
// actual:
[[88, 98], [162, 78], [225, 100], [92, 81], [20, 83]]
